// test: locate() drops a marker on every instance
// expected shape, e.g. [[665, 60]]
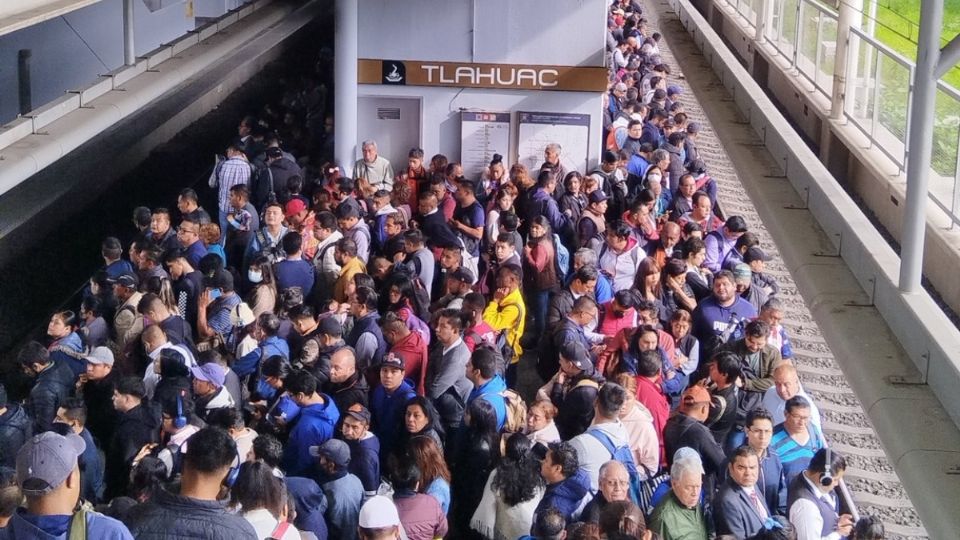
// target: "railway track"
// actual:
[[872, 481]]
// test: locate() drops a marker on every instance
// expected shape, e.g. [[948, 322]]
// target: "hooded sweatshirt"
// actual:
[[566, 494], [313, 427]]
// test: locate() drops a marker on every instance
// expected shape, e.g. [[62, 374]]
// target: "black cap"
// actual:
[[330, 326], [597, 196], [130, 281], [221, 279], [462, 274]]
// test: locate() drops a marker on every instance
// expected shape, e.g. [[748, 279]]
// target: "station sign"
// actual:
[[472, 75]]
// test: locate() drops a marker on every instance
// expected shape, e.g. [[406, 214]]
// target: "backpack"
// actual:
[[561, 258], [516, 411], [623, 455]]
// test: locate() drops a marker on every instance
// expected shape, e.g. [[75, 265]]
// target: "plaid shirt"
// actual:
[[231, 172]]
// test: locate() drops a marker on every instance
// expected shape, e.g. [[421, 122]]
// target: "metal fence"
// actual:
[[879, 86]]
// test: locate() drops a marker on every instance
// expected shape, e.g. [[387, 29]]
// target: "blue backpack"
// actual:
[[561, 259], [625, 456]]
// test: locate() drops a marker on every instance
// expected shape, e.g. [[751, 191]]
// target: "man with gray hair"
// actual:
[[374, 169], [603, 290], [48, 474], [680, 514], [551, 162], [614, 486]]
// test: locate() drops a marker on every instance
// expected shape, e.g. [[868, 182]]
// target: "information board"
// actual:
[[483, 134], [570, 131]]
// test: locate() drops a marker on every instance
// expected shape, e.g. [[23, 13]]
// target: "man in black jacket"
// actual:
[[139, 424], [15, 428], [53, 384], [211, 462], [574, 391], [687, 429]]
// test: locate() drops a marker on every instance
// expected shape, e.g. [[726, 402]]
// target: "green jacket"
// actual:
[[672, 521]]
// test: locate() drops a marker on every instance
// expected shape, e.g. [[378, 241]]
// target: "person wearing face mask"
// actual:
[[262, 297]]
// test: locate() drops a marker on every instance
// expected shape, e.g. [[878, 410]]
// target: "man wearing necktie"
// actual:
[[740, 507]]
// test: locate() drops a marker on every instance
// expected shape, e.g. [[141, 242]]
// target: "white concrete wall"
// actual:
[[557, 32], [440, 122], [539, 32], [70, 51]]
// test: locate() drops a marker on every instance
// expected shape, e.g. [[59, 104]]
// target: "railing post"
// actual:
[[24, 88], [847, 19], [920, 142], [876, 100], [129, 51], [760, 19], [796, 35], [955, 200]]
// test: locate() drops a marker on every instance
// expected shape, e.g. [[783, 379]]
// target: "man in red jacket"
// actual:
[[650, 393], [407, 345]]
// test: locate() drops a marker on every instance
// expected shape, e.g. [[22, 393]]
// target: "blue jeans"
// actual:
[[223, 226], [539, 302]]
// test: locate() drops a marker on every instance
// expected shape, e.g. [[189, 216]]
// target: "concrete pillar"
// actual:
[[129, 50], [345, 95], [850, 14], [920, 145]]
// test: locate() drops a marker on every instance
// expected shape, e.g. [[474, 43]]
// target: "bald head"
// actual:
[[670, 234], [343, 364], [153, 337], [787, 380]]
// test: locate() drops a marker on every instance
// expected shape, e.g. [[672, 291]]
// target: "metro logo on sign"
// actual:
[[393, 72]]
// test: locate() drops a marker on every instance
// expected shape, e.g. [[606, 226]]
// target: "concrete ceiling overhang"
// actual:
[[18, 14]]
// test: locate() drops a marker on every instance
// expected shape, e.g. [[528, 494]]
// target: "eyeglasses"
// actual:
[[616, 483]]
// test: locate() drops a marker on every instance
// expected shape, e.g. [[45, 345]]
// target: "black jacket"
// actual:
[[52, 386], [102, 417], [137, 427], [437, 232], [345, 394], [575, 409], [174, 517], [15, 429], [682, 430]]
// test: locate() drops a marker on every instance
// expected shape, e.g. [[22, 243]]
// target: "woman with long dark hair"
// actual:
[[402, 299], [478, 454], [674, 292], [174, 376], [511, 494], [420, 419], [539, 272]]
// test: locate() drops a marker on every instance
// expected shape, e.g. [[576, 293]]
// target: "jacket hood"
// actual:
[[285, 164], [323, 412], [575, 487], [496, 385]]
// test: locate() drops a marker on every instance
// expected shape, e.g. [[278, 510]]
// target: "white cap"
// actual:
[[379, 512]]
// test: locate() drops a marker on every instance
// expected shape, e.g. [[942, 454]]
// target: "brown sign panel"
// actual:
[[469, 75]]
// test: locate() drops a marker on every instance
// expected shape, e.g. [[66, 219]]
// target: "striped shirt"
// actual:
[[231, 172], [794, 456]]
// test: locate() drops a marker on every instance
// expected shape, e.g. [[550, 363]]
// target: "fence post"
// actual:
[[849, 10], [920, 143]]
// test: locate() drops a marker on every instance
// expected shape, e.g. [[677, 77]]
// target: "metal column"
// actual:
[[920, 146], [129, 51], [345, 95], [850, 14]]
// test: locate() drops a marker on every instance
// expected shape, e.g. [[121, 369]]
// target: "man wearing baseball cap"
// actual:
[[49, 477], [209, 389], [344, 490], [459, 283], [364, 447], [388, 400], [687, 429]]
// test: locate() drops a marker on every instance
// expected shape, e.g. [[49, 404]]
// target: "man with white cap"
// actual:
[[209, 390], [379, 520], [96, 389], [49, 477]]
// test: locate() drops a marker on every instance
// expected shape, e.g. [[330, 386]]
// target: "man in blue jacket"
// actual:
[[314, 426], [487, 383], [268, 344], [388, 402], [567, 485], [49, 477]]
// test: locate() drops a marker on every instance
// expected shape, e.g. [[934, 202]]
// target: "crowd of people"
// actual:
[[379, 350]]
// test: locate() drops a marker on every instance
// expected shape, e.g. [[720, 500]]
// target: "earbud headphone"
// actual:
[[233, 473], [180, 421], [827, 479]]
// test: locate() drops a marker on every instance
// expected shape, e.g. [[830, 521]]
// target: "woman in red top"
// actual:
[[539, 271]]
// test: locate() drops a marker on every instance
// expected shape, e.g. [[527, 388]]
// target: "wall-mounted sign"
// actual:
[[470, 75], [538, 129], [483, 134]]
